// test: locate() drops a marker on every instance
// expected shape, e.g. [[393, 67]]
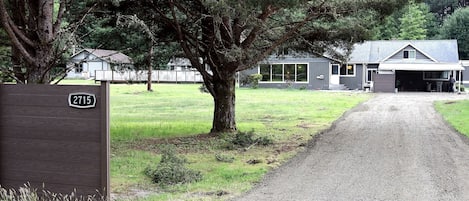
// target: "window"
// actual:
[[78, 67], [277, 73], [347, 70], [335, 69], [301, 73], [369, 75], [284, 72], [436, 75], [264, 70], [289, 72], [409, 54]]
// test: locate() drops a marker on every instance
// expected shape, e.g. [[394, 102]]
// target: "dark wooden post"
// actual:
[[105, 139]]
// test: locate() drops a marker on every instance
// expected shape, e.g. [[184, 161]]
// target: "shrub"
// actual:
[[203, 89], [171, 169], [247, 139], [254, 79], [462, 88]]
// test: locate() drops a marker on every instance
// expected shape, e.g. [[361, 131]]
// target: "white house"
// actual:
[[86, 62]]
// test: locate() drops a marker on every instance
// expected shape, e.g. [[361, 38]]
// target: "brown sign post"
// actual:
[[56, 136]]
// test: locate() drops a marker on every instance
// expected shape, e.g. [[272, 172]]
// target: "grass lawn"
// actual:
[[456, 113], [141, 122]]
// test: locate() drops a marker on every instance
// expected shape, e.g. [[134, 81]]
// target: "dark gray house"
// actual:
[[382, 66], [295, 70]]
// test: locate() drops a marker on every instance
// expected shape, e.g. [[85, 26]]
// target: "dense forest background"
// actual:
[[105, 27]]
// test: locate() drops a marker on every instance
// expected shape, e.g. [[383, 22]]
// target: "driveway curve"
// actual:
[[392, 147]]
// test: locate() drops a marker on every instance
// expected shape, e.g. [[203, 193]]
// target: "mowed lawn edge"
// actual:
[[456, 113], [141, 122]]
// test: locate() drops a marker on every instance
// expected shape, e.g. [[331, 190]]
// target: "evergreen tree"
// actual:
[[413, 23], [456, 26], [389, 29]]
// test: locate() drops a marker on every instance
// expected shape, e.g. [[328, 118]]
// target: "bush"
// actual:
[[203, 89], [247, 139], [254, 79], [462, 88], [171, 169]]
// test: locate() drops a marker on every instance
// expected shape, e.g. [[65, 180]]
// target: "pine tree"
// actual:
[[413, 23]]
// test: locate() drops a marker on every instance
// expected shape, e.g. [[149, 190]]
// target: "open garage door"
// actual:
[[421, 77]]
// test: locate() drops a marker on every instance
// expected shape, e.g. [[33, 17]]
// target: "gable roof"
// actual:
[[110, 56], [442, 51], [413, 47]]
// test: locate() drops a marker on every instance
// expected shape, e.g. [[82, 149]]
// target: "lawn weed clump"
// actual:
[[246, 140], [28, 193], [172, 169], [225, 158]]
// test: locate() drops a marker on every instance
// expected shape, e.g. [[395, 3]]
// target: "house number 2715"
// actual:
[[81, 100]]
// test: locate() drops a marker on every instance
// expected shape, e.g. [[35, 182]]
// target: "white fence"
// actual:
[[156, 76]]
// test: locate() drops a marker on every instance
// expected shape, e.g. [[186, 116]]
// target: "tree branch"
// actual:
[[7, 25], [60, 14], [267, 12]]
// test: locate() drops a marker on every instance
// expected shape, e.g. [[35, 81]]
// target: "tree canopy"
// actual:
[[456, 26], [413, 23], [221, 38]]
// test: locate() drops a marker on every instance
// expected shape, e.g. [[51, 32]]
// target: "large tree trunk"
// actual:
[[17, 66], [150, 68], [224, 113], [39, 72]]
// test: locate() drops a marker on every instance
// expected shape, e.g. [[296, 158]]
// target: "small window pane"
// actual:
[[289, 72], [409, 54], [301, 73], [343, 70], [335, 69], [436, 75], [277, 73], [406, 54], [350, 69], [369, 77], [265, 72]]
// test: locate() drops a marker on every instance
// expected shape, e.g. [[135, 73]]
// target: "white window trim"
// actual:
[[448, 73], [283, 72], [410, 58], [369, 79], [354, 71]]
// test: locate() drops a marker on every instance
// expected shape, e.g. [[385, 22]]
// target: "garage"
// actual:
[[431, 77]]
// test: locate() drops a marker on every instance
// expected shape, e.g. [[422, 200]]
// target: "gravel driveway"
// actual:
[[393, 147]]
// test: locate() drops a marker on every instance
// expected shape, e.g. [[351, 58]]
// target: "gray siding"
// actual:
[[465, 76], [355, 82], [318, 69], [399, 56], [317, 66], [384, 82]]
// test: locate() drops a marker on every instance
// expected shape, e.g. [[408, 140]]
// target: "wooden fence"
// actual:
[[46, 140]]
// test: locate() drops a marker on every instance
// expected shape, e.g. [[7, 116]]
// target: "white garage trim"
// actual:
[[421, 67]]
